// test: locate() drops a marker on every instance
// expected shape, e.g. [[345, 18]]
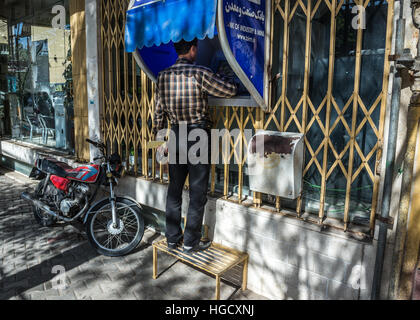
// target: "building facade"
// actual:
[[344, 74]]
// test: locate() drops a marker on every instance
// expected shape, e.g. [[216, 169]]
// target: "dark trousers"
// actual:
[[198, 186]]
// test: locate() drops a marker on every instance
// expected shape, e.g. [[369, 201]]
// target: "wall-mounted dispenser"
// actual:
[[232, 34], [275, 163]]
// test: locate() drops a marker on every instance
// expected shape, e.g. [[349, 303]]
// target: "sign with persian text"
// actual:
[[245, 30]]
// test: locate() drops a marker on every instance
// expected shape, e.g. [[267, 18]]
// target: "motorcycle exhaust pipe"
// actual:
[[42, 206]]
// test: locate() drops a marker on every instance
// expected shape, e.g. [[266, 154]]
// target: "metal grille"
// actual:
[[329, 82], [128, 100], [332, 86]]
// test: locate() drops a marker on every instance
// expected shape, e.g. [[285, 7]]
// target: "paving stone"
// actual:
[[7, 294], [116, 275], [44, 295], [17, 297], [69, 296], [84, 276], [128, 296], [85, 293], [35, 287], [125, 267], [24, 275], [106, 296], [152, 293], [12, 283]]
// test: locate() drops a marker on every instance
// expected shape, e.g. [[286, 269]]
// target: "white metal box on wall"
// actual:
[[60, 123], [275, 163]]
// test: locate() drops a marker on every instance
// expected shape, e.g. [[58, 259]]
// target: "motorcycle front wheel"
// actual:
[[110, 240], [41, 217]]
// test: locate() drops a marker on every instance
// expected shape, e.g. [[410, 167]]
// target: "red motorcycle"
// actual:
[[114, 225]]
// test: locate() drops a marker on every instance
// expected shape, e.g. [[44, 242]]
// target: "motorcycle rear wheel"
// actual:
[[42, 218], [111, 241]]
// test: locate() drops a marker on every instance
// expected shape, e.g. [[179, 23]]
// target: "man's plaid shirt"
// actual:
[[182, 90]]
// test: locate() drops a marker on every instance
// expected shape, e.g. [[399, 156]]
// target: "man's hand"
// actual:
[[162, 154], [226, 71]]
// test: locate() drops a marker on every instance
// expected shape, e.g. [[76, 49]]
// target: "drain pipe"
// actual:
[[401, 58]]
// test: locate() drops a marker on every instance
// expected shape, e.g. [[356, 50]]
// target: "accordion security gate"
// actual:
[[330, 72]]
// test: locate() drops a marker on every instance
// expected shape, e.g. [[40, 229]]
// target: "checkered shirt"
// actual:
[[182, 90]]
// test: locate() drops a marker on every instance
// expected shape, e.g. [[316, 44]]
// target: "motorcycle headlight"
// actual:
[[115, 164]]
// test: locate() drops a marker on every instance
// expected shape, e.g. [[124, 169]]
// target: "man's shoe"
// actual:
[[174, 245], [202, 245]]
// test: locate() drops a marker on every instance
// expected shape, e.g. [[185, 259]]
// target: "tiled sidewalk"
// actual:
[[30, 254]]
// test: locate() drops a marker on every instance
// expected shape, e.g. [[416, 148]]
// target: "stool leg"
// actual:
[[217, 287], [154, 262], [245, 275]]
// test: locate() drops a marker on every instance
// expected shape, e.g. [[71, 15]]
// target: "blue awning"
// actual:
[[155, 22]]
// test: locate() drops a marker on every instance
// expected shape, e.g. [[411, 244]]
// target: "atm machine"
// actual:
[[232, 34]]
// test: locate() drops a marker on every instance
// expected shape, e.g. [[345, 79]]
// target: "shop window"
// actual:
[[39, 77]]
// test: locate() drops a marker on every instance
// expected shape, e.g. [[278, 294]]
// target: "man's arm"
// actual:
[[159, 114], [218, 86]]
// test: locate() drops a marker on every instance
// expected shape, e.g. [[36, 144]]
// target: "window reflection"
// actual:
[[38, 86]]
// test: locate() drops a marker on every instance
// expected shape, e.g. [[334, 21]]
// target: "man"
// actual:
[[181, 97]]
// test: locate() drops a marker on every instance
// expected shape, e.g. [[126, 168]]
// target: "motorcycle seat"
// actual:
[[55, 167]]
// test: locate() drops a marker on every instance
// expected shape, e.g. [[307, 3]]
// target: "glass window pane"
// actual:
[[39, 90]]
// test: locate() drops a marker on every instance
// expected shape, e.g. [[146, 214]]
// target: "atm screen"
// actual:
[[210, 55]]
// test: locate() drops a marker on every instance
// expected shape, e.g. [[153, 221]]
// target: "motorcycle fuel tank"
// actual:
[[88, 174]]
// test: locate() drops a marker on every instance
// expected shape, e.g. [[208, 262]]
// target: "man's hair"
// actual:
[[183, 47]]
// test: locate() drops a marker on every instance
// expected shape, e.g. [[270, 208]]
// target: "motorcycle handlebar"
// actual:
[[98, 144], [92, 142]]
